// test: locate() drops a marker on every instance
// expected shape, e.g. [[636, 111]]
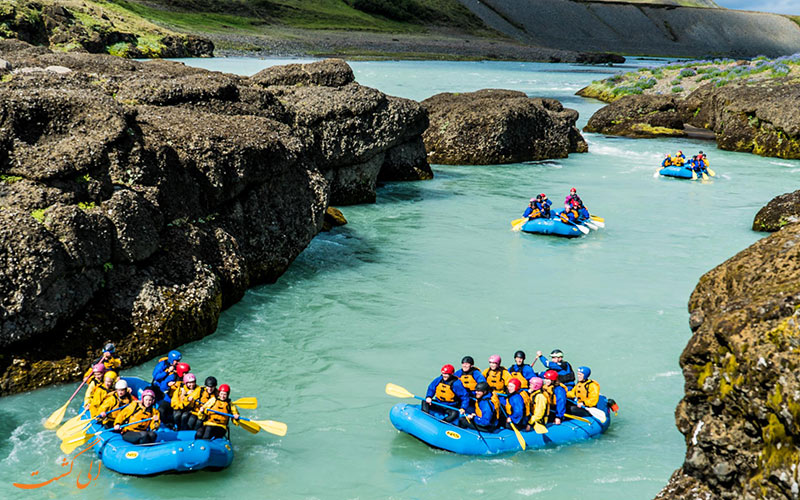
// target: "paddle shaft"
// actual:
[[78, 389]]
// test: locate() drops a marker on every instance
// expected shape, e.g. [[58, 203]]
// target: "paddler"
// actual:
[[469, 374], [586, 392], [171, 386], [110, 360], [101, 392], [143, 432], [447, 389], [667, 161], [517, 405], [496, 375], [540, 405], [214, 424], [679, 159], [565, 374], [486, 413], [96, 381], [520, 371], [556, 393], [117, 399], [165, 367], [186, 403]]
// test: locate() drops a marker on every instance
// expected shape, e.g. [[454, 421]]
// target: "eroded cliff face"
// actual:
[[741, 411], [753, 117], [138, 200]]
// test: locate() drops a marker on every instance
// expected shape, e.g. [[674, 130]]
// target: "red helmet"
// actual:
[[514, 385], [182, 368], [227, 388], [551, 375], [542, 195], [449, 369], [573, 190]]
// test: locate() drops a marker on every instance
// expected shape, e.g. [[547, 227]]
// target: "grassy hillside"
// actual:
[[678, 3]]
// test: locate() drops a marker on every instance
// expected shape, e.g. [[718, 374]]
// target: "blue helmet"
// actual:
[[585, 370], [109, 348], [174, 356]]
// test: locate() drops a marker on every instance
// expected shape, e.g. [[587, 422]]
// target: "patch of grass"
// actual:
[[9, 179], [87, 206], [38, 214]]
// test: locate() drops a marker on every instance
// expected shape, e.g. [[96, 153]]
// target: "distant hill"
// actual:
[[641, 28]]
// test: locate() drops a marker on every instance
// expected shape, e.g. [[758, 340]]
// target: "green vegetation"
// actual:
[[87, 206], [685, 77], [9, 179], [38, 214]]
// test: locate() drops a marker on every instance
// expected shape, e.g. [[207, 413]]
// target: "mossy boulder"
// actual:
[[640, 116], [779, 212]]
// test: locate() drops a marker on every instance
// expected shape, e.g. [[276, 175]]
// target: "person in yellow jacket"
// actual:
[[119, 398], [96, 380], [142, 432], [214, 424], [586, 391], [187, 402], [101, 391], [540, 405], [496, 375]]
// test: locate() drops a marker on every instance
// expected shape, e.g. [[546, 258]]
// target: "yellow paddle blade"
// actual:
[[397, 391], [598, 219], [249, 403], [271, 426], [251, 427], [67, 447], [71, 427], [711, 172], [705, 177], [516, 224], [521, 440], [577, 418], [694, 175], [56, 417], [539, 428]]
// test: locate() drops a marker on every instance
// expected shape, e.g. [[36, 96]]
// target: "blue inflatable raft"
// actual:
[[682, 172], [430, 429], [551, 226], [172, 452]]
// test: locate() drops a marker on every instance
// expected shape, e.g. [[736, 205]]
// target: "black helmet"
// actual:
[[211, 382], [483, 387], [519, 354], [468, 359]]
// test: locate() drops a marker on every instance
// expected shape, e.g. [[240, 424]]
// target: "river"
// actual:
[[432, 272]]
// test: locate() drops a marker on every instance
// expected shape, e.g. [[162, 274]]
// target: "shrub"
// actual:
[[677, 88], [687, 72], [676, 81]]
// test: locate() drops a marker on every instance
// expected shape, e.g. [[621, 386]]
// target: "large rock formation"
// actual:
[[741, 411], [780, 211], [138, 200], [499, 126], [754, 117]]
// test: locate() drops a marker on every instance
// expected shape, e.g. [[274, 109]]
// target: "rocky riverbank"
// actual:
[[753, 116], [741, 411], [139, 200]]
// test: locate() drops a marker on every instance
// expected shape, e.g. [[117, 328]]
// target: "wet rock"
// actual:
[[742, 394], [137, 201], [780, 211], [327, 73], [599, 58], [639, 116], [498, 126], [333, 218]]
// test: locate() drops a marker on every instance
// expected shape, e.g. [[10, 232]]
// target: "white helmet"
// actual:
[[121, 384]]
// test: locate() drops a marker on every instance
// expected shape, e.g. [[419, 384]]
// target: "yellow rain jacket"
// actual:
[[216, 419], [112, 402], [136, 412], [497, 379], [587, 392]]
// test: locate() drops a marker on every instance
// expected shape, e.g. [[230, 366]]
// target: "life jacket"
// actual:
[[495, 401], [496, 378], [545, 399], [526, 402], [535, 213], [516, 372], [91, 385], [99, 394], [216, 419], [181, 401], [568, 375], [467, 380], [444, 391], [548, 391], [667, 161], [174, 392], [565, 216], [136, 412], [112, 402], [587, 392]]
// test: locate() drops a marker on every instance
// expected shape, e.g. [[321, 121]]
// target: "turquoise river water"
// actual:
[[432, 272]]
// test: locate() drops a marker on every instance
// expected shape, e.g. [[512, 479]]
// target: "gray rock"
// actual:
[[780, 211]]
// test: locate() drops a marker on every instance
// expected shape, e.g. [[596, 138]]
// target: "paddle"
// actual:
[[248, 403], [574, 417], [694, 175], [517, 224], [83, 425], [711, 172], [520, 439], [57, 416], [253, 426], [705, 176], [597, 218], [597, 413], [71, 424], [583, 229], [590, 225], [401, 392], [69, 446]]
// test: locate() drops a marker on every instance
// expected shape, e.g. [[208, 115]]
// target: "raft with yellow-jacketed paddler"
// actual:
[[499, 410], [571, 222], [170, 424]]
